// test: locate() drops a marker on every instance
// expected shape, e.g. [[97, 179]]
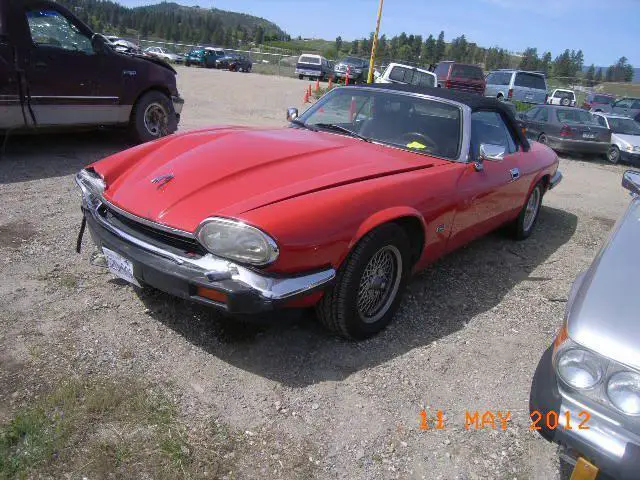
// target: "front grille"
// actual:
[[170, 241]]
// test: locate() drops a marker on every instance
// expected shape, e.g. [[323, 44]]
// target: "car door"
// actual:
[[539, 124], [529, 123], [491, 194], [63, 71], [11, 113]]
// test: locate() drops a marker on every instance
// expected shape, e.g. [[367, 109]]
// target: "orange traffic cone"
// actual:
[[309, 90], [305, 98], [330, 83], [317, 85]]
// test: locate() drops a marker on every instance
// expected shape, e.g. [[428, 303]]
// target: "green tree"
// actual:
[[590, 75], [598, 77], [440, 47], [428, 54], [530, 60]]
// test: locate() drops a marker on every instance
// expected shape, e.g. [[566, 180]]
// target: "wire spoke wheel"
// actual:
[[531, 212], [156, 120], [379, 284]]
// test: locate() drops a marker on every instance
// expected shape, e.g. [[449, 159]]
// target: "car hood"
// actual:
[[633, 140], [604, 304], [229, 171]]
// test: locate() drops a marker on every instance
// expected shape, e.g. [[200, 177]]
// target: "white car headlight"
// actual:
[[237, 241], [579, 368], [628, 148], [90, 183], [623, 390]]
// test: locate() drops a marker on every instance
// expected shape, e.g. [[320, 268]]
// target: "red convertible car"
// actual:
[[368, 185]]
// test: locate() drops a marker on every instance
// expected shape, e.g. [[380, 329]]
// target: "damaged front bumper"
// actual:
[[203, 278]]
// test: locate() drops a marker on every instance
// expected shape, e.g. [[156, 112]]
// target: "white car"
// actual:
[[163, 54], [407, 75], [625, 137], [564, 97]]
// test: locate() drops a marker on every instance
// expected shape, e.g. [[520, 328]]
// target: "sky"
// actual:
[[595, 26]]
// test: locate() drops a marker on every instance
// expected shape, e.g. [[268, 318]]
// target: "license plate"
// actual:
[[120, 266], [589, 136]]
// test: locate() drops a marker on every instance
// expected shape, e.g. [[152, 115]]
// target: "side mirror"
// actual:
[[292, 113], [631, 181], [492, 153], [99, 43]]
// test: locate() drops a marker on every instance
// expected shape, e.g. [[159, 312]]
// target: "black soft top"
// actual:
[[474, 101]]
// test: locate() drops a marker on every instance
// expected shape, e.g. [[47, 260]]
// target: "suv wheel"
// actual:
[[369, 285], [152, 117]]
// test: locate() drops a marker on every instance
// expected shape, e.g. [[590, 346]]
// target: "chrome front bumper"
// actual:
[[206, 271]]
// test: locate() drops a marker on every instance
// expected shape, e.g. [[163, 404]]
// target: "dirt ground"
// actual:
[[300, 403]]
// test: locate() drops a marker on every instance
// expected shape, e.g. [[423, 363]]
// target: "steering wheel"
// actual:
[[420, 137]]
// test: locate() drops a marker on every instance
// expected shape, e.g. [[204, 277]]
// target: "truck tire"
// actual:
[[152, 117]]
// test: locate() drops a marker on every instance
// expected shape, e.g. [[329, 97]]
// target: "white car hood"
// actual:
[[633, 140]]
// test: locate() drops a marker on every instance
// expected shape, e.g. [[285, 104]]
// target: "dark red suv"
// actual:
[[459, 76]]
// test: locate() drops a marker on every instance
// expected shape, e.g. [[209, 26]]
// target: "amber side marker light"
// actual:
[[211, 294], [560, 338]]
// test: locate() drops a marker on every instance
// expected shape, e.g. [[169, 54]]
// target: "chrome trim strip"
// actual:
[[148, 223], [78, 97], [272, 288]]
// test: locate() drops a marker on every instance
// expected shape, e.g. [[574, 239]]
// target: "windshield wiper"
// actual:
[[338, 128], [300, 123]]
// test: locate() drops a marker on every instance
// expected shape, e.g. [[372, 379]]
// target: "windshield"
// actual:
[[574, 115], [624, 126], [603, 99], [409, 122], [354, 62], [309, 59], [467, 71], [196, 53]]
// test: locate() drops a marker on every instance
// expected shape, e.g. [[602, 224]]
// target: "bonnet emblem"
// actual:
[[162, 179]]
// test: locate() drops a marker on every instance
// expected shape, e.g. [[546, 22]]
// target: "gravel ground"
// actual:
[[468, 335]]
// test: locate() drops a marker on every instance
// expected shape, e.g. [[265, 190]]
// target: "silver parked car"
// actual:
[[627, 106], [517, 85], [585, 394]]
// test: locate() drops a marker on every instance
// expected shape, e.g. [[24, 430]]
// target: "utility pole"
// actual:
[[374, 46]]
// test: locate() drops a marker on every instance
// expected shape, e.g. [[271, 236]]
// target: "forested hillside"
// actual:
[[170, 21]]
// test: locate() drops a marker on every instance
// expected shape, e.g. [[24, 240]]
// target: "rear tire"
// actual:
[[301, 77], [369, 285], [152, 117], [523, 226], [542, 139], [565, 102], [500, 97]]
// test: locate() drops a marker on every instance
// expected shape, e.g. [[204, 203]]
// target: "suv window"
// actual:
[[603, 99], [466, 71], [530, 80], [442, 70], [411, 76], [499, 78], [489, 127], [49, 27], [309, 59]]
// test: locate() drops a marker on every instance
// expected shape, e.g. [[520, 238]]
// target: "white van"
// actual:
[[313, 66], [407, 75]]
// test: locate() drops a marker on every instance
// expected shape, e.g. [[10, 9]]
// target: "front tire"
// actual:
[[542, 139], [523, 226], [152, 117], [613, 155], [369, 285]]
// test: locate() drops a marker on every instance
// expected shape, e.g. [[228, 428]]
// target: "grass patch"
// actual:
[[116, 429]]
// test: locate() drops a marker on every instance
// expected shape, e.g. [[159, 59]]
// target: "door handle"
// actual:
[[515, 174]]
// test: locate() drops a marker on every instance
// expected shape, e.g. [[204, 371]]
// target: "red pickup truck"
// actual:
[[55, 72], [459, 76]]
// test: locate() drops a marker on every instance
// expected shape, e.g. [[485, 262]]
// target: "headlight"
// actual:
[[90, 182], [237, 241], [628, 148], [623, 390], [579, 368]]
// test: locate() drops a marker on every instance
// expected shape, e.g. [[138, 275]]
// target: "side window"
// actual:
[[531, 113], [50, 28], [543, 115], [442, 70], [488, 127], [636, 104], [521, 80], [601, 121]]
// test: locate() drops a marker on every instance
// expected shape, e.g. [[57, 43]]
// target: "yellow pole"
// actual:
[[374, 46]]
